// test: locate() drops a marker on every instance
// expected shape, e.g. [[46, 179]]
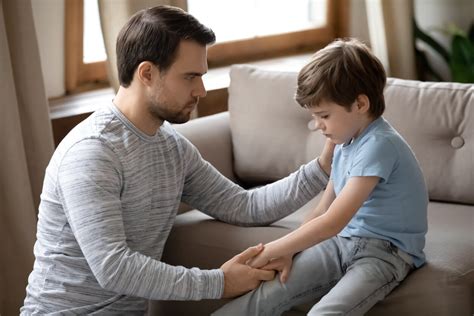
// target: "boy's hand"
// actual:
[[239, 278], [325, 159], [259, 260], [282, 265]]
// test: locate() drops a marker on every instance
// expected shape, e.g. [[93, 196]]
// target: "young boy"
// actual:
[[368, 231]]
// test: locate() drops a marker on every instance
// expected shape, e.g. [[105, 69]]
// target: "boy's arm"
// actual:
[[323, 205], [328, 197], [344, 206]]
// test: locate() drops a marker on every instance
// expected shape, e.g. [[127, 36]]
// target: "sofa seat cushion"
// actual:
[[444, 286]]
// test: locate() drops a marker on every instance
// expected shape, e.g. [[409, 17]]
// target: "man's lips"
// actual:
[[191, 105]]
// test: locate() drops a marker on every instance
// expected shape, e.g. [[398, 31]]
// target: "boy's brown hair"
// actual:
[[339, 73]]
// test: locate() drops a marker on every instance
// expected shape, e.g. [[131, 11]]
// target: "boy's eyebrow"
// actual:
[[319, 112]]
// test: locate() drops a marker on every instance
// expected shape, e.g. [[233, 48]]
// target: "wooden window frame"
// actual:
[[80, 76], [291, 43]]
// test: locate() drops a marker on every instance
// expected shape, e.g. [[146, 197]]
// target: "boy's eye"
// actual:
[[319, 116]]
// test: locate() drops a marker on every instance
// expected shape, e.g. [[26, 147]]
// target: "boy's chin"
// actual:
[[335, 141]]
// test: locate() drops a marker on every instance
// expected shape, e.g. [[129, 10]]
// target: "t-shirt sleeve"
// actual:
[[376, 156]]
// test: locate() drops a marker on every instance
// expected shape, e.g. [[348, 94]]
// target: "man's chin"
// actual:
[[180, 120]]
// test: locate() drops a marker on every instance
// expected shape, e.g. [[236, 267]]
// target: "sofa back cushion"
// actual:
[[271, 138]]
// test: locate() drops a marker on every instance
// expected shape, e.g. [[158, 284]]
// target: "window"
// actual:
[[246, 30], [245, 19], [258, 29], [94, 50], [85, 53]]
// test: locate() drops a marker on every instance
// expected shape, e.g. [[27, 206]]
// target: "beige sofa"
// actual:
[[265, 135]]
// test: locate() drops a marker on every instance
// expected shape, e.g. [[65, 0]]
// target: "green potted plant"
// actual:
[[460, 58]]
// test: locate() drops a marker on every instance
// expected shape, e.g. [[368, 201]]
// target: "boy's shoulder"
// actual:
[[383, 136]]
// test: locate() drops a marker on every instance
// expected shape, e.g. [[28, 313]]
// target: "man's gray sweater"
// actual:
[[110, 197]]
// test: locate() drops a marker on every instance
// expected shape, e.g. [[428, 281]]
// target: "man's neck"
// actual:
[[134, 107]]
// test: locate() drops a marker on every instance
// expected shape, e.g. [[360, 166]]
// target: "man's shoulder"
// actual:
[[173, 136], [94, 131], [94, 125]]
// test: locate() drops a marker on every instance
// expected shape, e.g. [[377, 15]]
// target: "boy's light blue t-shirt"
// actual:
[[396, 209]]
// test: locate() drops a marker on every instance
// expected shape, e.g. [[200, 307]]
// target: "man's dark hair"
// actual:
[[154, 35]]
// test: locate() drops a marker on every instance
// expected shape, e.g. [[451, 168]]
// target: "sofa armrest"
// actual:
[[211, 135]]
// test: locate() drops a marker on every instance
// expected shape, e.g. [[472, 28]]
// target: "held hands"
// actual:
[[264, 260], [282, 265], [239, 278]]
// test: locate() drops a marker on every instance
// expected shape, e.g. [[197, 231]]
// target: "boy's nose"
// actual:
[[318, 124]]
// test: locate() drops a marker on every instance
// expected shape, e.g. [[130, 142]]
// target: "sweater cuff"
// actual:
[[213, 284], [315, 172]]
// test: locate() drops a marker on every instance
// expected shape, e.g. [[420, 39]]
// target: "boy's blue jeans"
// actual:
[[347, 275]]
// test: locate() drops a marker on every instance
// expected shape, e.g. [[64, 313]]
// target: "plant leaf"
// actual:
[[471, 33], [425, 71], [454, 30], [431, 42], [462, 59]]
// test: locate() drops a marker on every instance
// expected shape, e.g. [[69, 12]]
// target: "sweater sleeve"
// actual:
[[89, 186], [212, 193]]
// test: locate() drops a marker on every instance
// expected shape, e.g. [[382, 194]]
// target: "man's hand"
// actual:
[[239, 278], [282, 265], [260, 260], [325, 159]]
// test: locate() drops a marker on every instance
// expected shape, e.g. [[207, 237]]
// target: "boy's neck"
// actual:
[[363, 126]]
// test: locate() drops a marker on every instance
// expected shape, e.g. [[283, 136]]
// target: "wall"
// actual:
[[49, 20], [358, 21], [431, 15], [435, 14]]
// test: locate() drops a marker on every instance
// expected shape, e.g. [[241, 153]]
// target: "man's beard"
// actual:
[[160, 112]]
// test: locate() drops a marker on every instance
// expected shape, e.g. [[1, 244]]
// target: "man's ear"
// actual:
[[145, 72], [363, 103]]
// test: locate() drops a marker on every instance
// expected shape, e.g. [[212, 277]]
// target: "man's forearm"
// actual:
[[325, 159], [260, 206], [324, 165]]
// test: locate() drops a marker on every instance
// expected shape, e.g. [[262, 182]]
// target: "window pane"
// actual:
[[93, 42], [240, 19]]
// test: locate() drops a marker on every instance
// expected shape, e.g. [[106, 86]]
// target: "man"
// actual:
[[113, 186]]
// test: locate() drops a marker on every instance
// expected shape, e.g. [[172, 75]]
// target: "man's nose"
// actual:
[[199, 89]]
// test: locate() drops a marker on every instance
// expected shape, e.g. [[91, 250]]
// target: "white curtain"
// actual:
[[26, 144], [113, 15], [391, 35]]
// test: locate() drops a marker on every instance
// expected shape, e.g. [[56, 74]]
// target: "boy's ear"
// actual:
[[145, 72], [363, 103]]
